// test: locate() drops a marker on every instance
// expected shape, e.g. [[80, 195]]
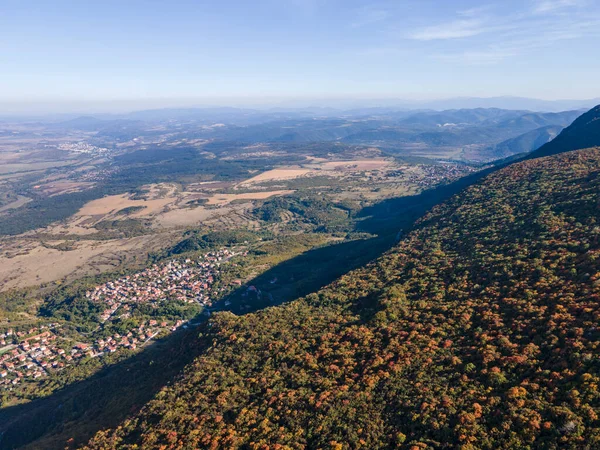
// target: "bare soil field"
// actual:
[[164, 204], [361, 165], [29, 263], [185, 217], [223, 199], [64, 187], [210, 185], [32, 167], [80, 226], [114, 203], [277, 174], [316, 167]]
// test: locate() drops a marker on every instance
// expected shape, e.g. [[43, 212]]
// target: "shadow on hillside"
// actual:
[[106, 398], [79, 410], [101, 401], [305, 273], [400, 213]]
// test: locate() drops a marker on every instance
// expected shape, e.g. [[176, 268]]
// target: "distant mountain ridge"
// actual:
[[584, 132], [508, 102], [325, 106], [395, 131], [525, 143]]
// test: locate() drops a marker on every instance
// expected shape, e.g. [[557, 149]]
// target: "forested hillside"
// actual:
[[479, 330]]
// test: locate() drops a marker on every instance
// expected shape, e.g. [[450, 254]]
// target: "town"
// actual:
[[187, 281], [83, 147], [33, 354], [434, 175]]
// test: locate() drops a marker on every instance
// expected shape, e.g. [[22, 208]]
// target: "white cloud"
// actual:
[[511, 33], [525, 40], [467, 23], [452, 30], [549, 6], [492, 34], [477, 11]]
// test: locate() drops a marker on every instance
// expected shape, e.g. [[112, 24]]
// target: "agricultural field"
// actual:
[[108, 216]]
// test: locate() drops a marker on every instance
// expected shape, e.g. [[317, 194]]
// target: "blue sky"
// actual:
[[221, 50]]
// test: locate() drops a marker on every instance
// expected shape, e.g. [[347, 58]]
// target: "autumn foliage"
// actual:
[[480, 330]]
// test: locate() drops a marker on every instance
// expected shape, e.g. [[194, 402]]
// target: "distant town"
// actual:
[[83, 147]]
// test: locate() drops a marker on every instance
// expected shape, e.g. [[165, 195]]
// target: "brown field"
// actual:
[[34, 264], [210, 185], [64, 187], [277, 174], [316, 167], [8, 157], [114, 203], [32, 167], [80, 226], [223, 199], [185, 217], [164, 204], [316, 159], [356, 165]]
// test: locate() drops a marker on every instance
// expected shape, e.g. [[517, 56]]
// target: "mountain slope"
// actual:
[[478, 331], [523, 143], [584, 132], [539, 120]]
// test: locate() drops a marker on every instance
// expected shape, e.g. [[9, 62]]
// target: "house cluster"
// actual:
[[34, 353], [432, 175], [83, 147], [188, 281], [133, 339], [10, 336], [31, 355], [96, 174]]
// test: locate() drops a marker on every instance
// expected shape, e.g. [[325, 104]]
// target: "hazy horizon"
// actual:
[[114, 56], [269, 104]]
